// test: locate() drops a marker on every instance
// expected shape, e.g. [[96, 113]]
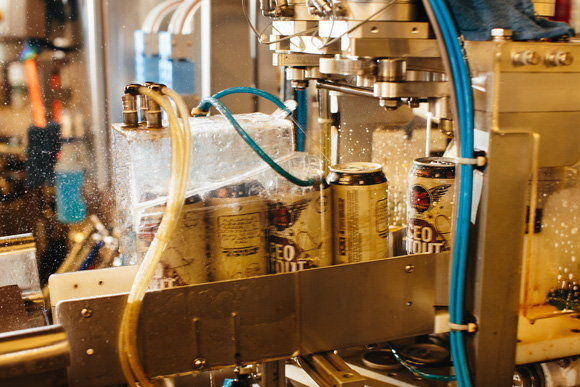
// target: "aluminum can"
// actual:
[[184, 261], [300, 227], [430, 205], [360, 211], [237, 218]]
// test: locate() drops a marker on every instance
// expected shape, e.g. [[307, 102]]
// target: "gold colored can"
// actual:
[[184, 261], [300, 231], [237, 219], [360, 211]]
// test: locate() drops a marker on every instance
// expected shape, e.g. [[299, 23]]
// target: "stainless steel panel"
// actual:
[[538, 92], [375, 29], [485, 55], [348, 305], [224, 323], [400, 10], [559, 134], [255, 320], [221, 324], [496, 259], [362, 47]]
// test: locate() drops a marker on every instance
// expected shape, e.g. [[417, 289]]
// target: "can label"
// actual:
[[430, 208], [184, 261], [238, 237], [300, 232], [361, 225]]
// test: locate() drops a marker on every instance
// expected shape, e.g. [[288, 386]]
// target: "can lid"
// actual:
[[439, 162], [357, 168]]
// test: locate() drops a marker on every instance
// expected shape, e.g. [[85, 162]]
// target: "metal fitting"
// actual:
[[439, 107], [392, 70], [501, 34], [322, 7], [527, 57], [130, 115], [153, 109], [389, 103], [446, 126], [560, 58], [300, 85], [143, 105], [413, 103]]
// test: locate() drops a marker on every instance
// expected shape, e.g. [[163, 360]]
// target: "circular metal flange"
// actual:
[[346, 66]]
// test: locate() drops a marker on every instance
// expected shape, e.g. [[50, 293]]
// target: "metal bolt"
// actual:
[[526, 57], [565, 58], [409, 268], [559, 58], [501, 33], [86, 312], [198, 363]]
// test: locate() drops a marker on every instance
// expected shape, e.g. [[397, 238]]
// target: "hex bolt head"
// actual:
[[86, 312]]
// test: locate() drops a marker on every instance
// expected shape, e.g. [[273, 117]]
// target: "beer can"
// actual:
[[300, 227], [360, 211], [430, 205], [237, 218], [184, 261]]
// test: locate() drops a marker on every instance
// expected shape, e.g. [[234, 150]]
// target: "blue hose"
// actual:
[[226, 113], [205, 105], [92, 255], [301, 118], [462, 83], [418, 372]]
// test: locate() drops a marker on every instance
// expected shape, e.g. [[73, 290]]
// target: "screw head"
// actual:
[[409, 268], [86, 312], [199, 363]]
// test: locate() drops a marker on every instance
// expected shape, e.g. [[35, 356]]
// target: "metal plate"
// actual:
[[295, 59], [256, 319], [559, 134], [411, 89], [374, 29], [337, 311], [371, 47]]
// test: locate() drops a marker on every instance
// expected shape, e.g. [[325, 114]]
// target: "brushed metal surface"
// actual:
[[354, 304], [411, 89], [496, 258], [371, 47], [257, 319], [33, 351], [374, 29]]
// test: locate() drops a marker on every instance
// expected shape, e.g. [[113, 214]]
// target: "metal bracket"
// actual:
[[329, 370]]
